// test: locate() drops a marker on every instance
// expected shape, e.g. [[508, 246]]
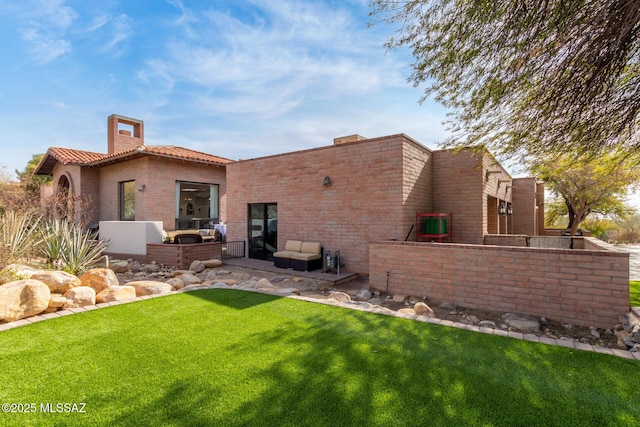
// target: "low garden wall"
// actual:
[[583, 287], [175, 255]]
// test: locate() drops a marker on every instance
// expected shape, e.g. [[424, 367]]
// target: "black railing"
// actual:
[[233, 249]]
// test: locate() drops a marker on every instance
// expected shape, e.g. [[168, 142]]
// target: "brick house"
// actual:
[[133, 181], [359, 191]]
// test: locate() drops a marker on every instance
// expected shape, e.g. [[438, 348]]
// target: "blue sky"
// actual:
[[238, 79], [234, 78]]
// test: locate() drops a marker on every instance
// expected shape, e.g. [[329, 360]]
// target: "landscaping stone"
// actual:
[[80, 296], [407, 311], [399, 298], [120, 266], [116, 293], [176, 283], [212, 263], [99, 279], [197, 266], [340, 296], [150, 287], [189, 279], [521, 323], [265, 285], [151, 268], [23, 298], [56, 300], [13, 272], [363, 295], [422, 309], [57, 281]]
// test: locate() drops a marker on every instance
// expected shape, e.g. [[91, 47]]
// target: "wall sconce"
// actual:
[[509, 210], [142, 187], [488, 173], [502, 209], [326, 181]]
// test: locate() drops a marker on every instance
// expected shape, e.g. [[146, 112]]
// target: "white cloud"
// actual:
[[45, 26], [121, 31]]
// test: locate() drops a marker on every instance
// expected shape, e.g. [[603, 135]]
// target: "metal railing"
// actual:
[[234, 249]]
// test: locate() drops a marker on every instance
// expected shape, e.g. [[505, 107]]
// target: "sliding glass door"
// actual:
[[263, 230]]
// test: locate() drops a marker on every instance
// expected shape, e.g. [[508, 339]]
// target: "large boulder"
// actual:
[[13, 272], [212, 263], [120, 266], [150, 287], [56, 300], [23, 298], [422, 309], [176, 283], [81, 296], [99, 279], [116, 293], [190, 279], [197, 266], [58, 282]]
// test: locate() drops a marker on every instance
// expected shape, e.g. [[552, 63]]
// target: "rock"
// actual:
[[176, 283], [229, 282], [487, 324], [473, 319], [116, 293], [298, 279], [80, 296], [363, 295], [447, 306], [287, 291], [56, 300], [197, 266], [422, 309], [120, 266], [23, 298], [594, 332], [151, 268], [99, 279], [13, 272], [407, 311], [151, 287], [265, 285], [412, 299], [248, 284], [521, 323], [224, 272], [189, 279], [212, 263], [57, 281], [340, 296], [399, 298]]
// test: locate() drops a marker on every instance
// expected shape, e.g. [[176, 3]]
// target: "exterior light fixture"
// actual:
[[502, 209], [142, 187], [326, 181], [509, 210]]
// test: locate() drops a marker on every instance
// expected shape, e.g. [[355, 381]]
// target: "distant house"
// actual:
[[136, 182]]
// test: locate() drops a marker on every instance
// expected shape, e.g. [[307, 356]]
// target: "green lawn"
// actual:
[[227, 358], [634, 293]]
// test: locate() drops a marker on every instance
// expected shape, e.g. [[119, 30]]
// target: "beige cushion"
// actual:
[[293, 245], [311, 248], [301, 256], [284, 254]]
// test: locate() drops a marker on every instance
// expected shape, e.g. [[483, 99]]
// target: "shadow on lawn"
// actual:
[[331, 366]]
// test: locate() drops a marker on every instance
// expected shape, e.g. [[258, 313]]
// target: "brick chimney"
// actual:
[[347, 139], [124, 133]]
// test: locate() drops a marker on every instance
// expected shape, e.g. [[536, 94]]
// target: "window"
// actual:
[[127, 200], [197, 205]]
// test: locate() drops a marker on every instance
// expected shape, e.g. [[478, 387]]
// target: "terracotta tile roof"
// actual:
[[68, 156], [168, 151]]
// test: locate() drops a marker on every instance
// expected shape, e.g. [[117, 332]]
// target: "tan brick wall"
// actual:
[[525, 214], [157, 201], [117, 142], [462, 187], [582, 287], [370, 197]]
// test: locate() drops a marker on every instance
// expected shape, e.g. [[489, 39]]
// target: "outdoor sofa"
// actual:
[[299, 255]]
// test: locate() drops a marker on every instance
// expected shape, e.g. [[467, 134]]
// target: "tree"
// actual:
[[527, 77], [30, 182], [588, 185]]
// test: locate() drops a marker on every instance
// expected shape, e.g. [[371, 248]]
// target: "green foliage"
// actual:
[[527, 77], [69, 246], [18, 235], [629, 228], [634, 293], [587, 184], [232, 358]]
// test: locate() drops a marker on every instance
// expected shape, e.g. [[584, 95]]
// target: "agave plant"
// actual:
[[69, 246], [17, 234]]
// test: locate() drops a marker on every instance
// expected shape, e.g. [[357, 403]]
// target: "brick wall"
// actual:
[[462, 187], [157, 201], [370, 198], [181, 256], [525, 213], [117, 141], [582, 287]]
